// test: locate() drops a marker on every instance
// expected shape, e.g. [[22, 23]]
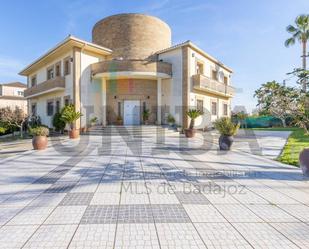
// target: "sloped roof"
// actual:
[[15, 84]]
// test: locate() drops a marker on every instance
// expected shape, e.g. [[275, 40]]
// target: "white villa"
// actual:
[[130, 65]]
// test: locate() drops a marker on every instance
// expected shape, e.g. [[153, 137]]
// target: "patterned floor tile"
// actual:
[[221, 235], [135, 214], [179, 235], [191, 198], [51, 236], [204, 213], [94, 236], [172, 213], [15, 236], [77, 199], [61, 187], [100, 214], [296, 232], [132, 236], [66, 215], [31, 216], [237, 213], [262, 235], [271, 213]]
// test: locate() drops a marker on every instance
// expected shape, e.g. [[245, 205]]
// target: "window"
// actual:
[[119, 109], [144, 106], [33, 109], [57, 106], [33, 81], [66, 100], [58, 69], [225, 80], [199, 68], [50, 73], [214, 74], [67, 66], [199, 105], [225, 109], [50, 108], [20, 93], [213, 108]]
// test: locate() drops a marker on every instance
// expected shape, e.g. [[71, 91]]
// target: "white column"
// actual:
[[159, 102], [103, 102]]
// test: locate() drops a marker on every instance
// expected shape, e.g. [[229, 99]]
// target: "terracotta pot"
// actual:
[[304, 161], [74, 133], [225, 142], [39, 142], [190, 132]]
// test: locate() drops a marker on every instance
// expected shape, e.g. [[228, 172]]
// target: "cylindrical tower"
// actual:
[[132, 36]]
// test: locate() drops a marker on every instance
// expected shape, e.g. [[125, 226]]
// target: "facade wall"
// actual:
[[12, 103], [172, 88], [91, 90], [207, 98], [131, 89], [11, 91]]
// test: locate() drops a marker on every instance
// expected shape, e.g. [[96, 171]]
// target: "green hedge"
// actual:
[[262, 122]]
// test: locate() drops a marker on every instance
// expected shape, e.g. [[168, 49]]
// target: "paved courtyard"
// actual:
[[142, 190]]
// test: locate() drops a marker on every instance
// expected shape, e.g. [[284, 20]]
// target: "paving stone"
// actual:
[[51, 199], [135, 214], [12, 237], [179, 235], [271, 213], [109, 187], [66, 215], [221, 235], [7, 213], [172, 213], [237, 213], [31, 216], [203, 213], [134, 198], [77, 199], [132, 236], [61, 187], [100, 214], [296, 232], [51, 236], [106, 199], [191, 198], [262, 235], [20, 199], [94, 236], [299, 211]]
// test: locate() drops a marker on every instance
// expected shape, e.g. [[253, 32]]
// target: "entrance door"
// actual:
[[131, 112]]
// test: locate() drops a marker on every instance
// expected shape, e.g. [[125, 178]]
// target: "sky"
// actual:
[[246, 35]]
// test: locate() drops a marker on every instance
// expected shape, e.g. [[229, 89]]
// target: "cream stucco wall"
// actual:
[[172, 88], [11, 91], [207, 98], [12, 103]]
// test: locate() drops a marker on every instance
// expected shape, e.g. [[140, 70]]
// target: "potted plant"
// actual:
[[192, 114], [69, 116], [146, 114], [39, 140], [58, 123], [119, 120], [93, 121], [170, 120], [227, 130]]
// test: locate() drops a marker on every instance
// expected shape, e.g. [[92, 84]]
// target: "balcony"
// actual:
[[48, 86], [204, 83], [133, 68]]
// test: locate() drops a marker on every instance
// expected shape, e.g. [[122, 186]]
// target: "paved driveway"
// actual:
[[150, 192]]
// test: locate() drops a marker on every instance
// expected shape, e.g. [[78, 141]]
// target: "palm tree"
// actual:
[[300, 32]]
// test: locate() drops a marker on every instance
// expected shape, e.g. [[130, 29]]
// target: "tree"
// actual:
[[265, 95], [300, 33], [13, 118], [302, 114], [284, 103]]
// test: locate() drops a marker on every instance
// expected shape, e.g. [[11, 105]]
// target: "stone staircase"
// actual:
[[135, 131]]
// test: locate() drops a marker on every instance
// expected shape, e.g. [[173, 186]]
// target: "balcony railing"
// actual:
[[204, 83], [47, 86]]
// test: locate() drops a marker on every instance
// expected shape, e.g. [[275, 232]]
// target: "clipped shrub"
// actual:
[[3, 130], [226, 127], [58, 122], [170, 119], [39, 131]]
